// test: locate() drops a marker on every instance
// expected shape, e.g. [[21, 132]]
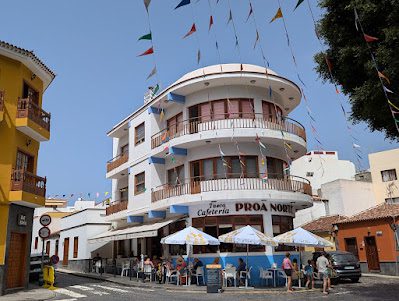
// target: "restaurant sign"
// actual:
[[240, 208]]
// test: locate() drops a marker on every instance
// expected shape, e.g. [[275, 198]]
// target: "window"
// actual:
[[24, 162], [48, 248], [125, 149], [176, 176], [75, 246], [36, 242], [351, 246], [175, 124], [309, 174], [139, 133], [392, 200], [282, 224], [56, 247], [271, 112], [388, 175], [139, 183], [275, 169]]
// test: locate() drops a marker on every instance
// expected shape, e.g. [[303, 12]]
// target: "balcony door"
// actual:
[[30, 93], [24, 162]]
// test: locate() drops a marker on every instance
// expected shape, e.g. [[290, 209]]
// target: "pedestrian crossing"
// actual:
[[78, 292]]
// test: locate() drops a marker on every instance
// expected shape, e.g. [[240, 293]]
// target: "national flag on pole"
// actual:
[[147, 52], [192, 30], [369, 39], [182, 3], [147, 36], [278, 15]]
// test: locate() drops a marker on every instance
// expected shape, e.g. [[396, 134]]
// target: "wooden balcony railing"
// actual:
[[116, 207], [22, 180], [227, 121], [27, 108], [232, 182], [1, 101], [117, 161]]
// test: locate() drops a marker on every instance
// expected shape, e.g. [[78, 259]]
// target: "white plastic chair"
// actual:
[[265, 275], [125, 269], [186, 276], [243, 274], [281, 273], [170, 276], [200, 273], [148, 271], [230, 272]]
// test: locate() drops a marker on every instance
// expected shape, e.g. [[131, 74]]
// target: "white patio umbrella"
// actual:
[[300, 237], [247, 236]]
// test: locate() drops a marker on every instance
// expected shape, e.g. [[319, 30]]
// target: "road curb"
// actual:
[[380, 276]]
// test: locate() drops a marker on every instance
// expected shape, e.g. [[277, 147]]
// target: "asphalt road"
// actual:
[[73, 288]]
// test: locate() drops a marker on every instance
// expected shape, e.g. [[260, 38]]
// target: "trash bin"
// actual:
[[214, 281]]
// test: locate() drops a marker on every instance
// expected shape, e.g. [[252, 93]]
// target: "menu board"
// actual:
[[214, 283]]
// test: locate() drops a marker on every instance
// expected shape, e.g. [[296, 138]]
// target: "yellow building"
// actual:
[[384, 168], [23, 125]]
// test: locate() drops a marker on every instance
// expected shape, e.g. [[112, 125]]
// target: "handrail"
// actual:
[[117, 161], [28, 182], [196, 185], [116, 207], [27, 108], [227, 121]]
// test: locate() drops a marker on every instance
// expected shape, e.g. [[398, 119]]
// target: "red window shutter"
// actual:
[[233, 108], [266, 109], [218, 110], [205, 111], [247, 109]]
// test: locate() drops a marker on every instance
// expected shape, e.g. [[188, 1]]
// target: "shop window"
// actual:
[[176, 176], [389, 175], [139, 134], [139, 183], [282, 224], [75, 246]]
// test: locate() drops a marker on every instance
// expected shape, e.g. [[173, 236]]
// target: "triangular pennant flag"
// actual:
[[369, 38], [183, 3], [397, 108], [161, 115], [262, 145], [147, 4], [386, 89], [356, 145], [192, 30], [147, 52], [381, 75], [250, 11], [221, 152], [299, 3], [230, 17], [147, 36], [210, 22], [279, 14], [257, 38], [156, 89], [198, 56], [152, 73], [356, 18]]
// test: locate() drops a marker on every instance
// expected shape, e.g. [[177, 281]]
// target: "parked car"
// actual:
[[35, 265], [345, 265]]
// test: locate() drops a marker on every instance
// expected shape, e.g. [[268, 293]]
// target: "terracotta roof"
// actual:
[[28, 55], [378, 212], [323, 224]]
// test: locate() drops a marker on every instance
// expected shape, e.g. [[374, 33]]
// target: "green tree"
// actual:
[[352, 67]]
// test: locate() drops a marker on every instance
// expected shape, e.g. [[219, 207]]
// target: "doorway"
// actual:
[[193, 114], [66, 252], [351, 246], [195, 177], [372, 253], [16, 261]]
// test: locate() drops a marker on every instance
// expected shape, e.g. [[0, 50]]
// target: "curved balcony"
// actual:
[[225, 121], [231, 182]]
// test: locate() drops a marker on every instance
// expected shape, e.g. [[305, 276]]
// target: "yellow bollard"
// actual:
[[49, 277]]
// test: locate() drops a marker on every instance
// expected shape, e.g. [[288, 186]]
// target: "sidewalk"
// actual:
[[36, 294], [380, 276], [125, 281]]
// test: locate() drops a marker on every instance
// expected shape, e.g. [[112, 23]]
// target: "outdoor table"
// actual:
[[274, 270]]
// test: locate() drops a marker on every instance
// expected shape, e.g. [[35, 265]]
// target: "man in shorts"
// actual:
[[322, 266]]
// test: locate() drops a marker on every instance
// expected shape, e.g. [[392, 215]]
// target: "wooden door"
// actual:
[[372, 253], [16, 261], [351, 246], [66, 251], [195, 177]]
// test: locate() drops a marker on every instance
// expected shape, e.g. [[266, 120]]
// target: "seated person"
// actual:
[[242, 267], [148, 261], [216, 260], [180, 264], [197, 264]]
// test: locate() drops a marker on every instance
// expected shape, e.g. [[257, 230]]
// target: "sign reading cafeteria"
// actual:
[[237, 208]]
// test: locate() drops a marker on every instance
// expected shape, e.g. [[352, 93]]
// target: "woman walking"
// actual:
[[287, 267]]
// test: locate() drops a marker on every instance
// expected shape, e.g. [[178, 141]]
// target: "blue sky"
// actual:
[[92, 46]]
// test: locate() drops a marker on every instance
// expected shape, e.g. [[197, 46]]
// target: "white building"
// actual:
[[209, 151], [339, 197], [321, 167]]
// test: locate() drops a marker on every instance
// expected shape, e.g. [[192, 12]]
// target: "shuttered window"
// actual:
[[218, 110], [247, 109], [75, 246], [207, 168], [205, 111], [139, 134], [233, 108], [271, 112], [139, 183]]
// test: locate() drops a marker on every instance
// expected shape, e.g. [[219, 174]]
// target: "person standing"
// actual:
[[287, 267], [322, 265], [309, 274]]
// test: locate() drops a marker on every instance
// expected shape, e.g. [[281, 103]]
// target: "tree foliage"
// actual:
[[352, 67]]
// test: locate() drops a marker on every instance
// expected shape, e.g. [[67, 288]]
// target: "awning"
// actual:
[[147, 230]]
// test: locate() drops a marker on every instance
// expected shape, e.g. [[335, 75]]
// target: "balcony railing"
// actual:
[[1, 101], [117, 161], [22, 180], [114, 208], [27, 108], [227, 121], [231, 182]]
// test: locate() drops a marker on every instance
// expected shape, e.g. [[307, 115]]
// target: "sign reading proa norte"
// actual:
[[215, 209]]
